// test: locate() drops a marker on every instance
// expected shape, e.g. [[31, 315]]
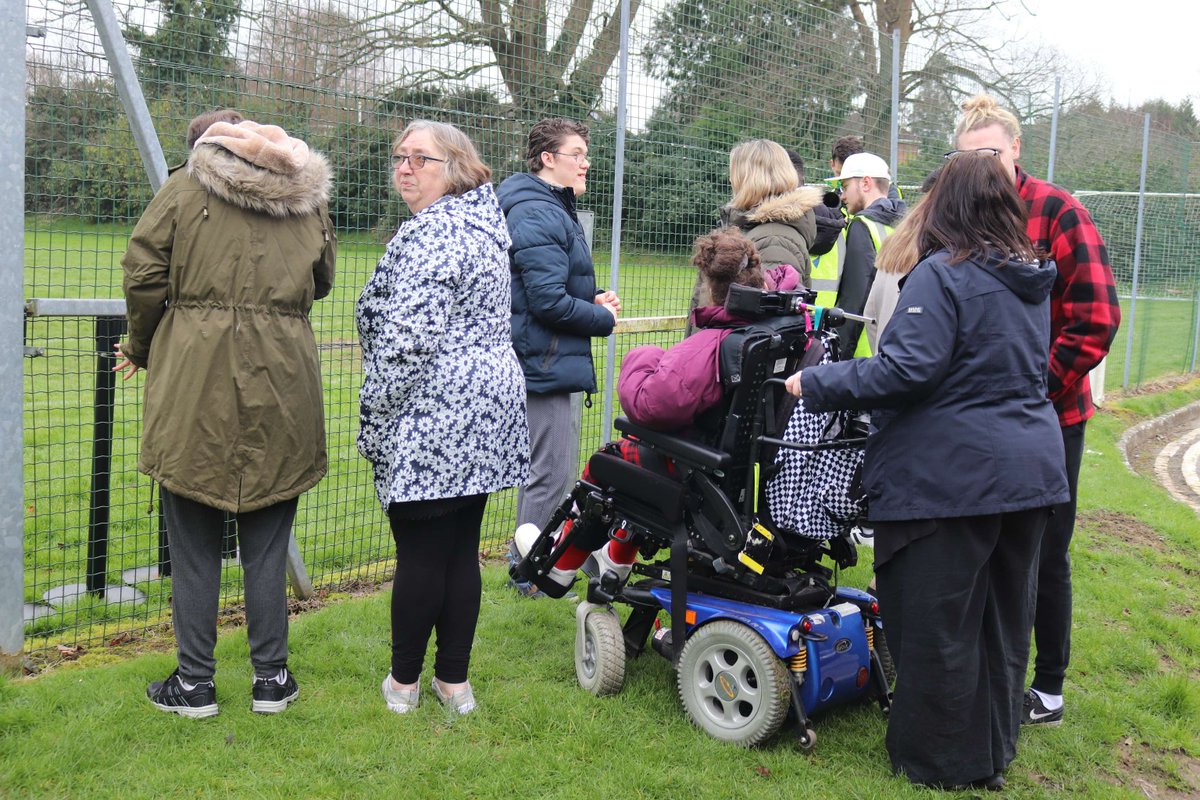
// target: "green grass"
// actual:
[[84, 729]]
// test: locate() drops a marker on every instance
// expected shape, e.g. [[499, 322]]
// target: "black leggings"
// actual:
[[437, 586]]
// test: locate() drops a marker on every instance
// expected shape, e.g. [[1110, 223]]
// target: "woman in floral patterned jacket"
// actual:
[[443, 401]]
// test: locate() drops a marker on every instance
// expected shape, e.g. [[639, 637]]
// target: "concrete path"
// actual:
[[1169, 447]]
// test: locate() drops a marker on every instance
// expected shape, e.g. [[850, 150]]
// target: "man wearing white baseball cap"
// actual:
[[865, 179]]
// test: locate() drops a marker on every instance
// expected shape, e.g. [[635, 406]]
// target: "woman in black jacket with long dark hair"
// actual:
[[961, 467]]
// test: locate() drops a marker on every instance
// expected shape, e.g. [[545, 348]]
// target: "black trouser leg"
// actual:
[[437, 585], [1007, 624], [1052, 619], [953, 611]]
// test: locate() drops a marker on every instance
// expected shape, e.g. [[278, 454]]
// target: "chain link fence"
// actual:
[[345, 75]]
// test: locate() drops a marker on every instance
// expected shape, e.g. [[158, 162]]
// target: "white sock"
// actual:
[[1052, 702], [187, 687]]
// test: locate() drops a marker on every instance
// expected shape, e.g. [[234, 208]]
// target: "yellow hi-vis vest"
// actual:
[[827, 272], [878, 232]]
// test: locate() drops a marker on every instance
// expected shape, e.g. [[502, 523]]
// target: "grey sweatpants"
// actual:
[[194, 533], [554, 421]]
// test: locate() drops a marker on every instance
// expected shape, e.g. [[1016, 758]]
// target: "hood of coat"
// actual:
[[1032, 282], [886, 210], [254, 188], [477, 210], [716, 317], [788, 207]]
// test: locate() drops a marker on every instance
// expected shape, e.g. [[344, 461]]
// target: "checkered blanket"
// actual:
[[817, 494]]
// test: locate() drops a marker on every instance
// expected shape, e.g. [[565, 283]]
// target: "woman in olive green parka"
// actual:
[[220, 274]]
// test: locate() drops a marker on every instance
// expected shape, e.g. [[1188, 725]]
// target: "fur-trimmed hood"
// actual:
[[254, 188], [788, 207]]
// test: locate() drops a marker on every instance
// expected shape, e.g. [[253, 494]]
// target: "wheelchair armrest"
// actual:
[[676, 447]]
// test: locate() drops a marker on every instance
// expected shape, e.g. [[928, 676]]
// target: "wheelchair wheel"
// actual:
[[732, 684], [600, 653]]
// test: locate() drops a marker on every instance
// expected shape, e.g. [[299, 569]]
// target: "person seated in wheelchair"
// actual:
[[669, 391]]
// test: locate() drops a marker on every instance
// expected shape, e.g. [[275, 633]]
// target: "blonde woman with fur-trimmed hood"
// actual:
[[769, 205], [220, 274], [771, 208]]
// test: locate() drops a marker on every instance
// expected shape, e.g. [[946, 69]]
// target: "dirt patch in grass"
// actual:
[[1122, 528], [1165, 660], [1046, 782], [1149, 772], [1163, 384], [160, 638]]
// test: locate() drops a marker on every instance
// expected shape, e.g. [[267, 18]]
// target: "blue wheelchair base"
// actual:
[[826, 649]]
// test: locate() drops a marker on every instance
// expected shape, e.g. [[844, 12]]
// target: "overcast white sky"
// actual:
[[1143, 50]]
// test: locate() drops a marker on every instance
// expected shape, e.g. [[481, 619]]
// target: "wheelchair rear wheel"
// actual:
[[732, 684], [600, 653]]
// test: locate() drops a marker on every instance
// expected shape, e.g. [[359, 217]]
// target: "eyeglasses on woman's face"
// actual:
[[580, 158], [987, 151], [415, 160]]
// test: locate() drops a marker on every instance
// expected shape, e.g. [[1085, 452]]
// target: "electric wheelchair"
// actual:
[[758, 625]]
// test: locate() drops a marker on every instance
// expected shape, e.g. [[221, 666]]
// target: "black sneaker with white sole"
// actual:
[[1033, 712], [173, 695], [272, 695]]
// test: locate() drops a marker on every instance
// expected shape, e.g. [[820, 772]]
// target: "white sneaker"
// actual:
[[862, 536], [525, 536], [600, 561], [523, 540], [461, 702], [563, 577], [400, 701]]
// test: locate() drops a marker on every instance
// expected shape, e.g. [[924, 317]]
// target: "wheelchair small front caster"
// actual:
[[808, 739], [599, 649]]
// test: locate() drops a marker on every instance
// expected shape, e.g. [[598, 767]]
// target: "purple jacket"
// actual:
[[667, 390]]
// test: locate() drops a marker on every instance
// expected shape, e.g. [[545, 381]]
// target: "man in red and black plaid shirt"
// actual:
[[1084, 316]]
